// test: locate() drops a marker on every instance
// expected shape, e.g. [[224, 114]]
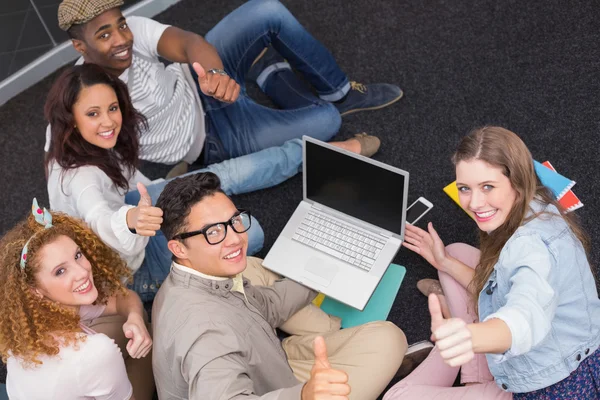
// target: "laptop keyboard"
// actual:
[[339, 240]]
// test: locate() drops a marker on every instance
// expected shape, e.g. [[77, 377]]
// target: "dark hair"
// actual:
[[76, 31], [180, 195], [69, 148]]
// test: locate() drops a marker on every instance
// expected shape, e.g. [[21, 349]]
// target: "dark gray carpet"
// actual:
[[529, 66]]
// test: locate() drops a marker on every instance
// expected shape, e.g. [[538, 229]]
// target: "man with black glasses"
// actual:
[[214, 324]]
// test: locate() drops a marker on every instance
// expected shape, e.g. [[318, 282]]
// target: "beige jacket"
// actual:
[[212, 343]]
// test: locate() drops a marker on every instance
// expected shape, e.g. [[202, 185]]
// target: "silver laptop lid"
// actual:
[[365, 190]]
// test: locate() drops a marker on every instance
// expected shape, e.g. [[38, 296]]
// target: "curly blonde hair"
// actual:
[[30, 326]]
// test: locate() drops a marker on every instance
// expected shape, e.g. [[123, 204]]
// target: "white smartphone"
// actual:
[[417, 209]]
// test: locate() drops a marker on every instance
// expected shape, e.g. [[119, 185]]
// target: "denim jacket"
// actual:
[[543, 289]]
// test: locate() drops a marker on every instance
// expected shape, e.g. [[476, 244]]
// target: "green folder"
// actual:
[[379, 306]]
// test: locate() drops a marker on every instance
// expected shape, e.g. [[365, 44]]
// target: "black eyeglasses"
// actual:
[[216, 233]]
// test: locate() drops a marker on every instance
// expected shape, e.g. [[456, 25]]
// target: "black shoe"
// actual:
[[368, 97], [415, 355]]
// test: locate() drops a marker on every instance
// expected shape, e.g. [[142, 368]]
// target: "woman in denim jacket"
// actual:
[[521, 316]]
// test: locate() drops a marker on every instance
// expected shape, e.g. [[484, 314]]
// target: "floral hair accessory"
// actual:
[[42, 217]]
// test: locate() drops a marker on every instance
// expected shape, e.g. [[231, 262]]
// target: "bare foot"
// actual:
[[352, 145]]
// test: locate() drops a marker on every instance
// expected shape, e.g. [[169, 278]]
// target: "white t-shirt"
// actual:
[[94, 370], [167, 96], [89, 194]]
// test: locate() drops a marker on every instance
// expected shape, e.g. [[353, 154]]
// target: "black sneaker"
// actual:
[[415, 355], [368, 97]]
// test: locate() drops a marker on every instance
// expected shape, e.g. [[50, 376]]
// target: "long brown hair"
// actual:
[[503, 149], [69, 149], [30, 326]]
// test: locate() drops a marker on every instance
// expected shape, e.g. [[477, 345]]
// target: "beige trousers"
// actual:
[[370, 354], [139, 370]]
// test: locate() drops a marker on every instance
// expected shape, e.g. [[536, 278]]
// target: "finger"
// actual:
[[412, 236], [463, 347], [450, 328], [235, 94], [149, 219], [320, 349], [153, 212], [461, 360], [338, 389], [213, 83], [414, 241], [433, 233], [231, 86], [412, 247], [202, 78], [331, 376], [416, 230], [222, 84], [146, 232], [145, 199], [435, 309], [147, 228]]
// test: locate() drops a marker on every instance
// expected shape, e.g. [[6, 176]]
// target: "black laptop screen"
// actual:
[[355, 187]]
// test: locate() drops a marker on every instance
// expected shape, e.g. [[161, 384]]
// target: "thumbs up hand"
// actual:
[[218, 85], [144, 218], [452, 336], [325, 382]]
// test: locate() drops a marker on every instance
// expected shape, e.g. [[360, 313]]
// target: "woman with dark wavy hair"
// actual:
[[91, 168], [523, 315], [60, 285]]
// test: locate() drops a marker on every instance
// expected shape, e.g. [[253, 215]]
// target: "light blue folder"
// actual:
[[379, 306]]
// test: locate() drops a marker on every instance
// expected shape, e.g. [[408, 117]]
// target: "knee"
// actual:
[[269, 9], [327, 123], [454, 249], [389, 338]]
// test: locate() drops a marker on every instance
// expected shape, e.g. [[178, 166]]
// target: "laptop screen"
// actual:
[[357, 188]]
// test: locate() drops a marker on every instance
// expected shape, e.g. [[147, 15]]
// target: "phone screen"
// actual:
[[415, 211]]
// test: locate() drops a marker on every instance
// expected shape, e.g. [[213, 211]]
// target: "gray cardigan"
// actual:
[[210, 343]]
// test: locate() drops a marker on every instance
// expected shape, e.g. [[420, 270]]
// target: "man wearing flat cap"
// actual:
[[197, 107]]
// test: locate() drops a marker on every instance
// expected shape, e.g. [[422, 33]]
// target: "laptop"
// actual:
[[347, 229]]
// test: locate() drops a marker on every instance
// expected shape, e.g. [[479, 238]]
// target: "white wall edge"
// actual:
[[64, 53]]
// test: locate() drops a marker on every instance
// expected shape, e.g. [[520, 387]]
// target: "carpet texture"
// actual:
[[528, 66]]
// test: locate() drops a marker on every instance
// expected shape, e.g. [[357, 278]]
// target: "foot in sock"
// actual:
[[368, 97], [415, 355]]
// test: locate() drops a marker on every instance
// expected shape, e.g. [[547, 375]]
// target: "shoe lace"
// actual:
[[358, 86]]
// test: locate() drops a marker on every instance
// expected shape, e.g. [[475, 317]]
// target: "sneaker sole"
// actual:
[[373, 108]]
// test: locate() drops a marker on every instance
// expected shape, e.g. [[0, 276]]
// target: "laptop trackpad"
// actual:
[[318, 271]]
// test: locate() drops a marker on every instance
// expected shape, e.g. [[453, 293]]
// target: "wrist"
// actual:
[[135, 316]]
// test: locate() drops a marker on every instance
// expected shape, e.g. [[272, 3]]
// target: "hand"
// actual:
[[452, 336], [221, 87], [426, 243], [144, 218], [135, 329], [325, 383]]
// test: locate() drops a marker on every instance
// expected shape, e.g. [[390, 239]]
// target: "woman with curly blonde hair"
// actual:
[[57, 278]]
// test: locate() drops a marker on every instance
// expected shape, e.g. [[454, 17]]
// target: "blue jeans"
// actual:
[[245, 127], [244, 174]]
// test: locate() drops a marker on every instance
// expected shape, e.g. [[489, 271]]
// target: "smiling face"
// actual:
[[107, 41], [485, 192], [97, 115], [64, 274], [225, 259]]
